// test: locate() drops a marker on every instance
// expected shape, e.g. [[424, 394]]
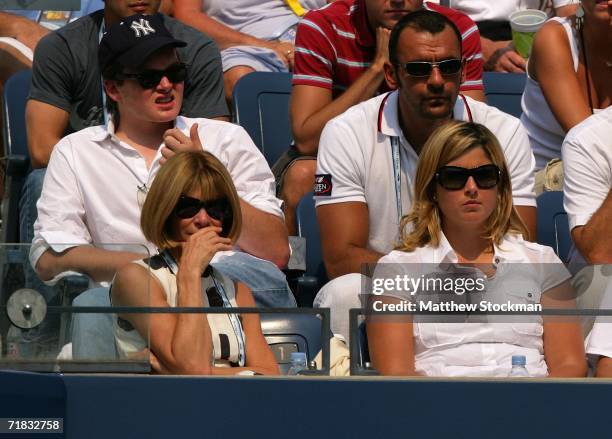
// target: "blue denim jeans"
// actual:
[[266, 281], [30, 193], [92, 334]]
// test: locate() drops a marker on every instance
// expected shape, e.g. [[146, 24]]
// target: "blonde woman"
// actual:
[[191, 212], [463, 216]]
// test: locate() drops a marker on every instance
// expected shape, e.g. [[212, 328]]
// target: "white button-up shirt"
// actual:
[[484, 347], [354, 158], [92, 184]]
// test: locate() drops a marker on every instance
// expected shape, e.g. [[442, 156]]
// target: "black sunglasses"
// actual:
[[188, 207], [424, 68], [219, 209], [150, 78], [453, 177]]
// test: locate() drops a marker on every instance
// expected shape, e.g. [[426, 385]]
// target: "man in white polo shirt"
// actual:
[[97, 177], [587, 193], [367, 156], [587, 187]]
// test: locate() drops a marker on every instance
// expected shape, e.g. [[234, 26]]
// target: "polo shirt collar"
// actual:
[[502, 253], [388, 114], [363, 34], [444, 252]]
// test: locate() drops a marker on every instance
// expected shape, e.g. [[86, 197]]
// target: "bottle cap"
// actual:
[[298, 356], [519, 360]]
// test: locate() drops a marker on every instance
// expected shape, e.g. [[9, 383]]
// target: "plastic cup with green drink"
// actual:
[[524, 25]]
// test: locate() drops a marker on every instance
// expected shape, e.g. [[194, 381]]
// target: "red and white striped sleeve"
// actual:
[[470, 41], [315, 53], [472, 53]]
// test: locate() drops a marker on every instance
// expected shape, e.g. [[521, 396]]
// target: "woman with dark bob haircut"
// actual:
[[191, 212], [463, 240]]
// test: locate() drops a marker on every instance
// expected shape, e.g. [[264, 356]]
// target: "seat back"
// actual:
[[14, 98], [261, 107], [552, 224], [308, 228], [287, 333], [504, 91]]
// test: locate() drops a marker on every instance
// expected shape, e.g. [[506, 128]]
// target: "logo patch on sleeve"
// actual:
[[323, 185]]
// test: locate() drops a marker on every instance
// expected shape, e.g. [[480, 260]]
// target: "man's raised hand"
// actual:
[[175, 141]]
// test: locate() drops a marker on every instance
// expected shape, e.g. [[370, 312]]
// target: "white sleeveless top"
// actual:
[[545, 133], [226, 339]]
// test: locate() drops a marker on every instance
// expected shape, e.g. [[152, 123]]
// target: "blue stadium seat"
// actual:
[[552, 224], [14, 98], [261, 107], [286, 333], [504, 91], [308, 227]]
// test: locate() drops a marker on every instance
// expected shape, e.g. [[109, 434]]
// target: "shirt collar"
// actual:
[[104, 132], [363, 35], [388, 113], [502, 253]]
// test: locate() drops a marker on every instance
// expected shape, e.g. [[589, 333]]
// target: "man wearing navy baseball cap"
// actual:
[[97, 178], [66, 93]]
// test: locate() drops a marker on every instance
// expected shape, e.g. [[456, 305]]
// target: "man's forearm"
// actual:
[[99, 264], [223, 35], [365, 87], [22, 29], [489, 47], [592, 239], [351, 261], [264, 235]]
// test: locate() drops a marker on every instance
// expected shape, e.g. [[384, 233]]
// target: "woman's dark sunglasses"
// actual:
[[424, 68], [453, 177], [150, 78], [188, 207]]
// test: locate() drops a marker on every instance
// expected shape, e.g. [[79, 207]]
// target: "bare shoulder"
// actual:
[[551, 36], [126, 281]]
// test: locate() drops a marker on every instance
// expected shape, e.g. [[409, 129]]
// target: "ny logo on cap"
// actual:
[[142, 28]]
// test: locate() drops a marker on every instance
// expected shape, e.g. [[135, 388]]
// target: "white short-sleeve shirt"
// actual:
[[354, 161], [91, 190], [486, 349], [481, 10], [587, 168]]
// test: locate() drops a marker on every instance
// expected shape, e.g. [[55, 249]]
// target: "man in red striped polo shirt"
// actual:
[[340, 51]]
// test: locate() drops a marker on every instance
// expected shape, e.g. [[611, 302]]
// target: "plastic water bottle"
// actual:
[[518, 366], [298, 363]]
